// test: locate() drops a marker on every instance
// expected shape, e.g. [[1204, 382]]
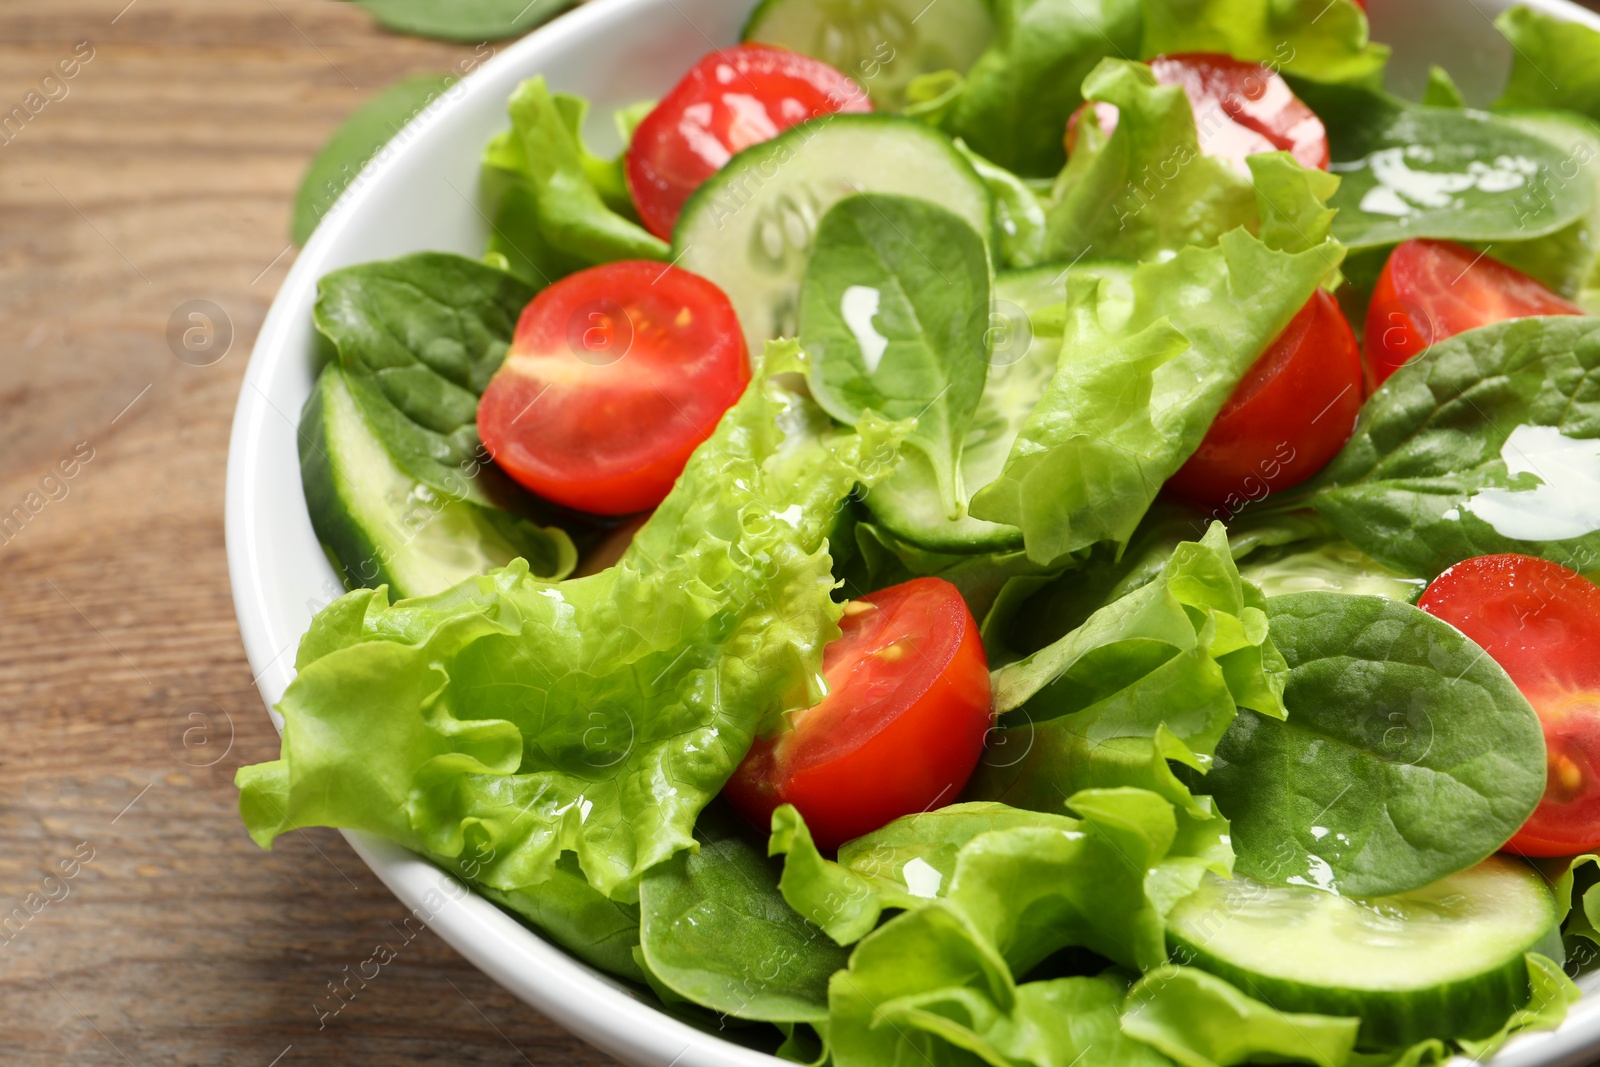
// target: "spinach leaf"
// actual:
[[1410, 171], [1321, 39], [1407, 754], [359, 140], [1155, 676], [1485, 443], [418, 339], [884, 560], [715, 929], [894, 311], [1567, 260], [569, 911], [464, 20], [1021, 91], [1153, 362]]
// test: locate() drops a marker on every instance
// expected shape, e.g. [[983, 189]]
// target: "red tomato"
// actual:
[[1431, 290], [615, 375], [1541, 622], [1239, 109], [730, 100], [1290, 415], [900, 730]]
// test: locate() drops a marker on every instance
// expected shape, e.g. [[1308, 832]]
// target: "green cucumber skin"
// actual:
[[344, 540], [1472, 1007]]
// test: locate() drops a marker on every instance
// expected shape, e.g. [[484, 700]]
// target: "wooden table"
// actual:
[[164, 174]]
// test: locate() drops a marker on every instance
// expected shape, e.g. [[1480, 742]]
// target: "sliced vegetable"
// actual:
[[730, 100], [1541, 622], [383, 527], [1407, 754], [1240, 109], [900, 729], [883, 44], [751, 226], [896, 329], [615, 376], [1432, 290], [1328, 567], [1292, 413], [1445, 960]]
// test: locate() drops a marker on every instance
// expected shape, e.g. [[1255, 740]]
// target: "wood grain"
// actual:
[[163, 175]]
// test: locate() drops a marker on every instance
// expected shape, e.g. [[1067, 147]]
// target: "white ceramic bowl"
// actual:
[[421, 195]]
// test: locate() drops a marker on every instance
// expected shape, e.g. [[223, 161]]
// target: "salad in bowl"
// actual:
[[1020, 532]]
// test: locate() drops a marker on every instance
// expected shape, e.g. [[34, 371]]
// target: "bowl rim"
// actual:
[[594, 1006]]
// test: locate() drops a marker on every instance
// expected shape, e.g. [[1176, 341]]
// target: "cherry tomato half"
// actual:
[[614, 376], [900, 730], [1286, 419], [1240, 109], [730, 100], [1431, 290], [1541, 622]]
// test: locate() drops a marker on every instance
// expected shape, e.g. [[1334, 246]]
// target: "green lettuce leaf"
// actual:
[[1155, 676], [1555, 63], [1017, 98], [1325, 40], [1202, 1021], [596, 716], [1149, 372], [944, 972], [556, 206]]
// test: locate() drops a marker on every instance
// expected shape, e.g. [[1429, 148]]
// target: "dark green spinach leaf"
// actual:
[[1407, 754], [418, 339], [715, 929], [1488, 442], [464, 20], [894, 311], [358, 140]]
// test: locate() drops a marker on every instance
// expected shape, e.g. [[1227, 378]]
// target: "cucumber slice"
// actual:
[[882, 44], [1442, 961], [1330, 567], [907, 503], [750, 226], [381, 526]]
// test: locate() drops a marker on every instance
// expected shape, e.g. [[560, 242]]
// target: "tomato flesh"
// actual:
[[1541, 622], [1240, 109], [1431, 290], [730, 100], [900, 730], [615, 375], [1287, 418]]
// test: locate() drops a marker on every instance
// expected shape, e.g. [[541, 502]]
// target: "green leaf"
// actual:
[[1321, 39], [1291, 202], [1483, 444], [464, 20], [945, 971], [894, 309], [885, 560], [1410, 171], [1555, 63], [901, 866], [563, 217], [569, 911], [1407, 755], [715, 929], [418, 339], [1155, 676], [599, 715], [1019, 214], [359, 140], [1441, 90], [1202, 1021], [1567, 260], [1147, 189], [1149, 373], [1022, 90]]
